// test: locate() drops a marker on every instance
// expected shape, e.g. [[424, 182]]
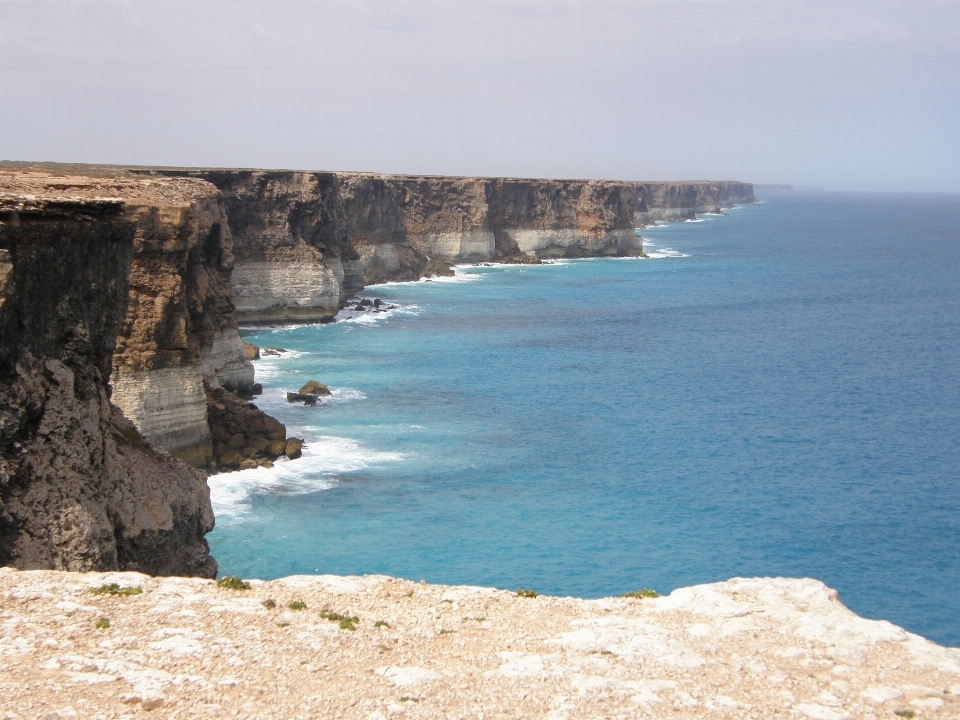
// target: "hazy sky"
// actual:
[[845, 95]]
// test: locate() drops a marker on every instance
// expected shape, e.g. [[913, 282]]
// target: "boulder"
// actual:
[[258, 443], [250, 351], [248, 452], [237, 442], [231, 459], [364, 304], [305, 398], [248, 464], [315, 388], [293, 448], [274, 429], [256, 389], [276, 448]]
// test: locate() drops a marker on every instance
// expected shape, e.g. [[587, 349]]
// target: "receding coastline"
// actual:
[[148, 259]]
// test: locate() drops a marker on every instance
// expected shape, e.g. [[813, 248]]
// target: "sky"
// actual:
[[841, 95]]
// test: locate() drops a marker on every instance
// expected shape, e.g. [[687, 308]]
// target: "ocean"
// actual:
[[774, 392]]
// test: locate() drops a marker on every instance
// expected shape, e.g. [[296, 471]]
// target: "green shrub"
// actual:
[[297, 605], [526, 593], [642, 593], [232, 582], [347, 622], [381, 623], [102, 623], [114, 589], [269, 603]]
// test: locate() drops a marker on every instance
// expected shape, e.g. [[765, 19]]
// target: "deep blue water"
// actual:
[[776, 394]]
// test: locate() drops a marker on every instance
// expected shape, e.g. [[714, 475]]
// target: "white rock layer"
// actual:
[[167, 405], [287, 284]]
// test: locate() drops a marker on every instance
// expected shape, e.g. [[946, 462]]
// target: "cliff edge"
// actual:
[[80, 488]]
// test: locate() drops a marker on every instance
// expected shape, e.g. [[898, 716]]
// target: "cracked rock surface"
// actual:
[[746, 648]]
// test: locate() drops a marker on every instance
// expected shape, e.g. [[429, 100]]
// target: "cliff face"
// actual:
[[304, 242], [180, 329], [684, 200], [80, 488]]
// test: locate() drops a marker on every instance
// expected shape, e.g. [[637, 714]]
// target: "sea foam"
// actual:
[[324, 458]]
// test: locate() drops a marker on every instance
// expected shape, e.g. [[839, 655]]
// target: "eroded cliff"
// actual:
[[80, 488], [671, 201], [304, 242]]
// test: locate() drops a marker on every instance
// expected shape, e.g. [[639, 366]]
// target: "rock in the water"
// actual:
[[256, 389], [315, 388], [363, 305], [305, 398], [250, 351], [293, 448]]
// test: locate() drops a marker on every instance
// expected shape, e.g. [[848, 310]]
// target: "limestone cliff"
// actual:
[[672, 201], [80, 488], [304, 242]]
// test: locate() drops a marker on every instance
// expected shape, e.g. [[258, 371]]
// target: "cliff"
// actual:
[[304, 242], [80, 488], [375, 647], [671, 201], [214, 247]]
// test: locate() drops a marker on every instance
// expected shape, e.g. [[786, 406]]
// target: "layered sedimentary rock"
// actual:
[[304, 242], [179, 333], [80, 488], [375, 647], [670, 201]]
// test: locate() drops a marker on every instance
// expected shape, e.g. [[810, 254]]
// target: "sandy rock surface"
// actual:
[[746, 648]]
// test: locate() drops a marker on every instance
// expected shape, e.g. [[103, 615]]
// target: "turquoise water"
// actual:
[[777, 392]]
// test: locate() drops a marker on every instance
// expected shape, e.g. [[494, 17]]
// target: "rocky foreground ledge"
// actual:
[[375, 647]]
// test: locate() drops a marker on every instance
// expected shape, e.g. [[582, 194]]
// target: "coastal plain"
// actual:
[[375, 647]]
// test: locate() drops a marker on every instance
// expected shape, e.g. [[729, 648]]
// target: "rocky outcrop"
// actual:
[[375, 647], [80, 488], [671, 201]]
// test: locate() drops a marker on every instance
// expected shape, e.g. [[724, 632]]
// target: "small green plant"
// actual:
[[381, 623], [905, 713], [115, 589], [480, 620], [269, 603], [283, 624], [407, 698], [232, 582], [642, 593], [527, 593], [447, 632], [409, 593], [347, 622], [102, 623], [297, 605]]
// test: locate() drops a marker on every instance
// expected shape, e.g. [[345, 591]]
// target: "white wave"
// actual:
[[346, 394], [461, 276], [666, 253], [323, 459], [371, 317], [699, 219]]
